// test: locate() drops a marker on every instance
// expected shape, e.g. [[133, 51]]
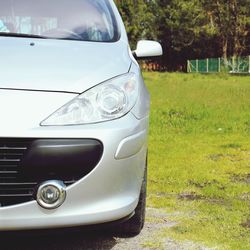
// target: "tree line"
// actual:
[[189, 29]]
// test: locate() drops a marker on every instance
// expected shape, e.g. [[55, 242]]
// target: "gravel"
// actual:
[[157, 220]]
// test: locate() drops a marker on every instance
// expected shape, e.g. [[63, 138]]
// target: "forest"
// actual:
[[189, 29]]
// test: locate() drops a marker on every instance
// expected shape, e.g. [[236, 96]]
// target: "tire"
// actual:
[[135, 224]]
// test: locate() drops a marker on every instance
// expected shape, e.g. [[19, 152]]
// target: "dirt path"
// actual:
[[157, 220]]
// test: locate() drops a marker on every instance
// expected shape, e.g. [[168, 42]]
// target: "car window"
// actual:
[[86, 20]]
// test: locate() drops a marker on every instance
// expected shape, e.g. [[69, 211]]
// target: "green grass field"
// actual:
[[199, 156]]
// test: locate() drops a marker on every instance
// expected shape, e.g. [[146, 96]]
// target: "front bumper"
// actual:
[[108, 193]]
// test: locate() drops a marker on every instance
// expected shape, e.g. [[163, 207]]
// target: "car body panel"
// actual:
[[95, 198], [59, 65], [39, 78], [22, 111]]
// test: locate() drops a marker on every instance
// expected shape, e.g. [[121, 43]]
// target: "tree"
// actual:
[[181, 24], [139, 19], [230, 20], [240, 12], [189, 28]]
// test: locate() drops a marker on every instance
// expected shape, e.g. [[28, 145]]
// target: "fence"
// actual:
[[239, 65]]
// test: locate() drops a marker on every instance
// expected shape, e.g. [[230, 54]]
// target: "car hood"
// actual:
[[59, 65]]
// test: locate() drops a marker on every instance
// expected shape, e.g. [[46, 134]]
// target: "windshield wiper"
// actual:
[[10, 34]]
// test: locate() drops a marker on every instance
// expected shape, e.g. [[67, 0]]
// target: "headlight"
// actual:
[[107, 101]]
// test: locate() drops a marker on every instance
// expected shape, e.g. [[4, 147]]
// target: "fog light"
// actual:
[[51, 194]]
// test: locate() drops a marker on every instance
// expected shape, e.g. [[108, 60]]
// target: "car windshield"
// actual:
[[84, 20]]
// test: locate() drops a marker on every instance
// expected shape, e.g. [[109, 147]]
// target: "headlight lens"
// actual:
[[107, 101]]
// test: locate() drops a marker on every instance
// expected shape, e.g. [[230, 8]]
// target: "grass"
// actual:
[[199, 156]]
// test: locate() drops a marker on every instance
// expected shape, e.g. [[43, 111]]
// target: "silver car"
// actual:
[[74, 115]]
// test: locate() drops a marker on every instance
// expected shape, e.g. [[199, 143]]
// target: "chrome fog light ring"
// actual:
[[51, 194]]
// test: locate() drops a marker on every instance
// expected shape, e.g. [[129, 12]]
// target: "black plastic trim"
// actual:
[[63, 158]]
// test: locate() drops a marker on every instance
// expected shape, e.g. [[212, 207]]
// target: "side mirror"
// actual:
[[147, 49]]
